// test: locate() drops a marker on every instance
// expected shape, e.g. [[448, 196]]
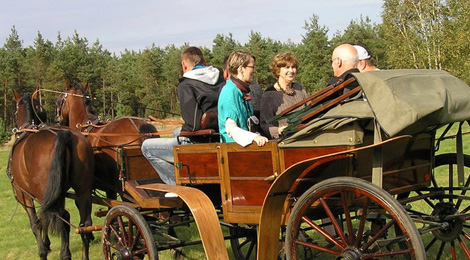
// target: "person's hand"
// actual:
[[260, 140], [280, 129]]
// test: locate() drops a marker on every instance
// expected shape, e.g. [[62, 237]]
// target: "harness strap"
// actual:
[[129, 134], [24, 193], [165, 122]]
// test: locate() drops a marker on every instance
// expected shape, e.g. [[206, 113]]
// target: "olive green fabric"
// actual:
[[411, 101], [337, 127], [400, 101]]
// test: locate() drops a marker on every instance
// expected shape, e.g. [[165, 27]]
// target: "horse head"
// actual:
[[28, 110], [74, 106]]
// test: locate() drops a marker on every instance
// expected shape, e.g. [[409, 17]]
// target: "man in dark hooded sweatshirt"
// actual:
[[197, 93]]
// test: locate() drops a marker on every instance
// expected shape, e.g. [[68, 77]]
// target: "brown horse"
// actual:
[[43, 165], [76, 110]]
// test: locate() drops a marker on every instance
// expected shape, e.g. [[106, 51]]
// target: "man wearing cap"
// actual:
[[365, 60]]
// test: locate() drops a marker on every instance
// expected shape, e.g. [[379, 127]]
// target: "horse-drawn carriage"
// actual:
[[358, 178]]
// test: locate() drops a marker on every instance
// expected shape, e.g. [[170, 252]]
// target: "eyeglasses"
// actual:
[[332, 60], [253, 67]]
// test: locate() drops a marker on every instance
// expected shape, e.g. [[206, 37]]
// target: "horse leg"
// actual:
[[45, 238], [84, 207], [65, 235], [36, 227]]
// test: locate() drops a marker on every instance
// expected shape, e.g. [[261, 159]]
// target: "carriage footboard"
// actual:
[[204, 215]]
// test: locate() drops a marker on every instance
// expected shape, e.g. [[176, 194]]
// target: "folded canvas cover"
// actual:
[[401, 102]]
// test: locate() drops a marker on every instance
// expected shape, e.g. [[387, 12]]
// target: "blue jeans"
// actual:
[[159, 152]]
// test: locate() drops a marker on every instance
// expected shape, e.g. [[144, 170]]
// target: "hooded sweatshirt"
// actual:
[[198, 93]]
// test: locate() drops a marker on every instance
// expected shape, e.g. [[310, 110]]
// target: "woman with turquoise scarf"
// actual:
[[235, 113]]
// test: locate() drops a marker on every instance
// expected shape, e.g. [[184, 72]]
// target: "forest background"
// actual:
[[420, 34]]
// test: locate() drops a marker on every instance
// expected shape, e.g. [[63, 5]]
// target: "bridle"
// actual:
[[61, 101], [33, 106]]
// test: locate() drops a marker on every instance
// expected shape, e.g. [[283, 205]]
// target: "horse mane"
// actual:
[[31, 115]]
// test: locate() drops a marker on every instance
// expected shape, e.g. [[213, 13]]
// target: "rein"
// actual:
[[86, 129], [63, 92]]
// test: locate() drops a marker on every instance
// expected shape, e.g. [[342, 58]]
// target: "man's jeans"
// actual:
[[159, 152]]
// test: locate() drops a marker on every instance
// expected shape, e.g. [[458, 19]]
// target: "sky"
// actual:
[[136, 25]]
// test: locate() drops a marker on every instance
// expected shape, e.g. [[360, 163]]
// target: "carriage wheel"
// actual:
[[445, 211], [244, 240], [126, 235], [349, 218]]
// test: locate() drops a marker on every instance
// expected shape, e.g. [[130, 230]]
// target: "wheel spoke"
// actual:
[[452, 250], [431, 243], [466, 235], [348, 220], [465, 210], [123, 231], [362, 222], [319, 248], [378, 235], [427, 200], [441, 249], [333, 221], [467, 184], [464, 247], [130, 234], [250, 251], [323, 232], [135, 240]]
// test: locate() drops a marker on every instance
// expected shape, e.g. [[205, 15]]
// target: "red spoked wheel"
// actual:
[[126, 235], [349, 218]]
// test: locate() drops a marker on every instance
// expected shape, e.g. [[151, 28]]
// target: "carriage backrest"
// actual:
[[209, 129], [210, 121]]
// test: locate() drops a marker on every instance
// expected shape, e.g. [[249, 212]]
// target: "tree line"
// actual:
[[421, 34]]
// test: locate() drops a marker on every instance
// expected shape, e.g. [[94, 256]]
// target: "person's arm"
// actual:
[[267, 111], [188, 106], [243, 137]]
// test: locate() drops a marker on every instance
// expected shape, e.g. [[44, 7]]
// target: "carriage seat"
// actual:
[[209, 128]]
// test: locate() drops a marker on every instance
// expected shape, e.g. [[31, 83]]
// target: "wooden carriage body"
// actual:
[[243, 176]]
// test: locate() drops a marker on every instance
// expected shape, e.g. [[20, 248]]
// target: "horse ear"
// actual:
[[67, 83], [17, 96], [85, 86]]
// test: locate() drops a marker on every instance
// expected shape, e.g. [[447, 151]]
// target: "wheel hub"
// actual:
[[123, 254], [350, 253], [452, 228]]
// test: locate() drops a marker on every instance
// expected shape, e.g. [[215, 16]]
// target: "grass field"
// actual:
[[17, 240]]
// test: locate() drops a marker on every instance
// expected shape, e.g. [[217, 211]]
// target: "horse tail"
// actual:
[[53, 204]]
